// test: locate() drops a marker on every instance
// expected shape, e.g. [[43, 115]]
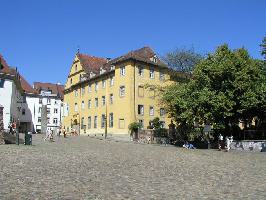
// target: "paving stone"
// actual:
[[88, 168]]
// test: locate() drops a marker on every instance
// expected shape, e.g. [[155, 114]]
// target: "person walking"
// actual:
[[51, 136], [227, 142], [59, 131], [47, 136], [220, 141], [64, 132]]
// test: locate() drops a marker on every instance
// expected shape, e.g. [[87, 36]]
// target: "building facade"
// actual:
[[48, 106], [10, 94], [118, 91], [24, 104], [40, 97]]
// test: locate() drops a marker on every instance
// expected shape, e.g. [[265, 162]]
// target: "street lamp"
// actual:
[[105, 130], [17, 131]]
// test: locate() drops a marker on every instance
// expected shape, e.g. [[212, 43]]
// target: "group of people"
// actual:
[[12, 128], [226, 143], [50, 136]]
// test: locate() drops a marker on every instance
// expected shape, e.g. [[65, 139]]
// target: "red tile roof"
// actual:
[[91, 63], [27, 88], [143, 54], [55, 88], [94, 64], [5, 68]]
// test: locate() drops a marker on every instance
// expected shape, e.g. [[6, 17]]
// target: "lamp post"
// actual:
[[18, 123], [19, 107], [105, 130]]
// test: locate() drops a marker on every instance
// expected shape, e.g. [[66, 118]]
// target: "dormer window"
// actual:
[[154, 59], [82, 77], [92, 74], [102, 70]]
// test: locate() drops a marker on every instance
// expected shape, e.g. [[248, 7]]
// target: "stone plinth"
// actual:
[[249, 145]]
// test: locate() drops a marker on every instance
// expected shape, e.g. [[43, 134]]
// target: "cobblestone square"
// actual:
[[87, 168]]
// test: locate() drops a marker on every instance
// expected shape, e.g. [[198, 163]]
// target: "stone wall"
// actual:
[[1, 126], [249, 145]]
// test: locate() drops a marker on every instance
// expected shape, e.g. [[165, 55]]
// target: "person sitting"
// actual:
[[188, 146]]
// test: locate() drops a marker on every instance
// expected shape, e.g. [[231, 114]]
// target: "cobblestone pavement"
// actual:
[[87, 168]]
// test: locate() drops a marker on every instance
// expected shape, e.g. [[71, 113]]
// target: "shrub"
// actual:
[[134, 127]]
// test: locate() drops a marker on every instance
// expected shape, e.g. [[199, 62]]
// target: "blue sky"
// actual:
[[41, 37]]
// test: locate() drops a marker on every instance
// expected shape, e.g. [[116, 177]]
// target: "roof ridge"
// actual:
[[82, 54]]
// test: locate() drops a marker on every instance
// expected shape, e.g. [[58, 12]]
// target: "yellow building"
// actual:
[[100, 88]]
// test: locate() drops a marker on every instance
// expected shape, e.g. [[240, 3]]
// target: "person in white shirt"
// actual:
[[228, 142], [220, 141], [48, 133]]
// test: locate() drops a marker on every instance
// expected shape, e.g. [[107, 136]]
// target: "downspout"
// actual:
[[135, 118], [106, 102]]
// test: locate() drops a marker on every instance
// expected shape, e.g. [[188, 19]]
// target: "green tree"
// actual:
[[182, 59], [263, 48], [227, 86]]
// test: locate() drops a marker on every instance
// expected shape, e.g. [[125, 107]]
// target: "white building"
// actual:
[[49, 96], [10, 94], [23, 104]]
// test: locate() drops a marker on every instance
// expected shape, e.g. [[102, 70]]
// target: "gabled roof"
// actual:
[[5, 68], [91, 63], [144, 54], [27, 88], [94, 64], [55, 88]]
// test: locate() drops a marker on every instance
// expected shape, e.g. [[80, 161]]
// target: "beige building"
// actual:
[[114, 89]]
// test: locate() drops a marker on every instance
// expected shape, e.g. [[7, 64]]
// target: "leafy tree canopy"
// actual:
[[227, 86], [263, 48], [182, 59]]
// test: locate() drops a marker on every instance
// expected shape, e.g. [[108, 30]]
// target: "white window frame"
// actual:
[[96, 103], [96, 86], [151, 111], [122, 70], [95, 122], [76, 109], [89, 103], [161, 74], [89, 122], [141, 70], [111, 80], [141, 110], [103, 100], [111, 120], [55, 120], [122, 91], [152, 73], [103, 83], [111, 98], [162, 112]]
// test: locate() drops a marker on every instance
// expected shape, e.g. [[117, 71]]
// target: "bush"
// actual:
[[134, 127]]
